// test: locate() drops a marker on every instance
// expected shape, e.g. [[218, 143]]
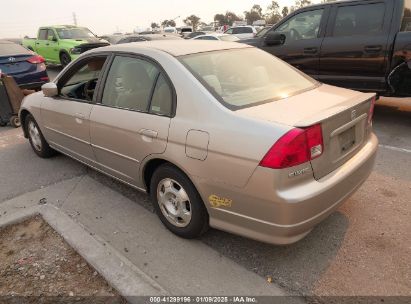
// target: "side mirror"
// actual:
[[50, 89], [274, 38]]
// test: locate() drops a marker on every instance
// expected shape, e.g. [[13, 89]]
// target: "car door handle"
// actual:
[[373, 48], [312, 50], [148, 133]]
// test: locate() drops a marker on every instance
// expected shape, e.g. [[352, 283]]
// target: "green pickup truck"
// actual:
[[62, 43]]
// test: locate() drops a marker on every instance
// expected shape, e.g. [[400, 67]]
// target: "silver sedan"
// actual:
[[252, 147]]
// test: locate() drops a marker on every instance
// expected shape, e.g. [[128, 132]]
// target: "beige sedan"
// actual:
[[219, 134]]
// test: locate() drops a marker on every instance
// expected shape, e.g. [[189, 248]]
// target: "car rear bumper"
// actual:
[[33, 80], [285, 215]]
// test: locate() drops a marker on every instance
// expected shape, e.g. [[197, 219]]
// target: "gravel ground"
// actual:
[[36, 261]]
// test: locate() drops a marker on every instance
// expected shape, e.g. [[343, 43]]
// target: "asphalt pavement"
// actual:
[[362, 249]]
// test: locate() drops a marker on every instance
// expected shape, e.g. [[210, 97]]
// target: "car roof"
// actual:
[[175, 47], [3, 41]]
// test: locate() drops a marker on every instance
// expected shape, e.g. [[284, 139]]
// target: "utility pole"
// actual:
[[74, 19]]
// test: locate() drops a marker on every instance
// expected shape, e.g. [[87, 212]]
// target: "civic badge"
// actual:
[[353, 114]]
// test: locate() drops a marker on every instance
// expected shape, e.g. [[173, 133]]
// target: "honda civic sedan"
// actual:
[[252, 147]]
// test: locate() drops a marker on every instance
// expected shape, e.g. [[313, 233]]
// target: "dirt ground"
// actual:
[[36, 261]]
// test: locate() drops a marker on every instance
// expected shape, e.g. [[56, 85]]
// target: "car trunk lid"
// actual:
[[15, 64], [342, 114]]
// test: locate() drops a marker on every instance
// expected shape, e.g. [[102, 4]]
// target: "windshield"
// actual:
[[239, 82], [262, 32], [74, 33]]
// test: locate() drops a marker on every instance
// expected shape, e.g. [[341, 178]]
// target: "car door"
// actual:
[[132, 117], [66, 117], [355, 49], [52, 46], [304, 34], [41, 47]]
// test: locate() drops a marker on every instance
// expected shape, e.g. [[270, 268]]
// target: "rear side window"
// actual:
[[406, 20], [43, 34], [162, 100], [137, 84], [359, 20]]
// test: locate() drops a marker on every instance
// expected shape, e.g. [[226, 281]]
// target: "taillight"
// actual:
[[371, 110], [294, 148], [36, 59]]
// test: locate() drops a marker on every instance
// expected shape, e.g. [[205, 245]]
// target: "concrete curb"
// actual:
[[125, 277]]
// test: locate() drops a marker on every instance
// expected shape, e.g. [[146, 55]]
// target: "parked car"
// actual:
[[170, 30], [362, 44], [113, 39], [217, 36], [62, 43], [185, 30], [26, 67], [194, 34], [258, 148], [140, 38], [242, 32]]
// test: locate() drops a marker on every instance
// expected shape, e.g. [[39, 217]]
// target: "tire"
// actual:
[[65, 59], [36, 138], [15, 122], [167, 181]]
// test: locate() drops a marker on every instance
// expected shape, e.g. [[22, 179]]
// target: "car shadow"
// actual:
[[295, 267]]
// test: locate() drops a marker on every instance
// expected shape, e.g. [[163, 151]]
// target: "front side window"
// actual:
[[51, 35], [82, 83], [406, 20], [302, 26], [136, 84], [261, 80], [359, 20], [229, 31]]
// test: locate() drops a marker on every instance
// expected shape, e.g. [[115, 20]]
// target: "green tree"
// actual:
[[154, 25], [256, 13], [302, 3], [193, 21], [285, 11], [273, 15], [227, 18], [166, 23]]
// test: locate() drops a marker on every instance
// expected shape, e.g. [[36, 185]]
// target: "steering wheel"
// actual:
[[89, 88], [295, 35]]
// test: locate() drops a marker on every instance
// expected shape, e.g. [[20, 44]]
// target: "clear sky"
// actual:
[[23, 17]]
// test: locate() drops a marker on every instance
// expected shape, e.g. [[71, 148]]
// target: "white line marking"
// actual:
[[395, 149]]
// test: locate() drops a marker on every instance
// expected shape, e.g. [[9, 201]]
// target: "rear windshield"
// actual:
[[12, 49], [406, 21], [241, 78]]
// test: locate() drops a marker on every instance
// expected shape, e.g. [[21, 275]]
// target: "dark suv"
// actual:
[[362, 44]]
